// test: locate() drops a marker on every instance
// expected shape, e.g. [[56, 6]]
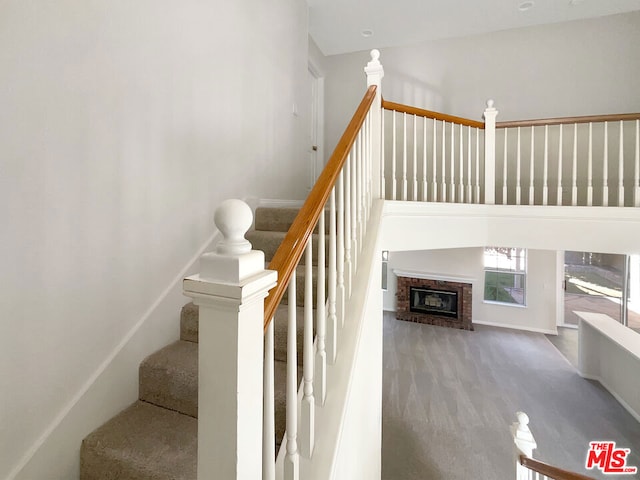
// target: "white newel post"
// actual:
[[525, 444], [375, 72], [230, 291], [490, 115]]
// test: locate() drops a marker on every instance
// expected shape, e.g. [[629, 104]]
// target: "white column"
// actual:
[[230, 291], [375, 72], [490, 115], [292, 457], [307, 413]]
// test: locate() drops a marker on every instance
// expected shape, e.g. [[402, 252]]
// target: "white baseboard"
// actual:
[[517, 327]]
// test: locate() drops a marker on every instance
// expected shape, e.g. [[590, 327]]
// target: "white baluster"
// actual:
[[404, 156], [320, 376], [505, 160], [347, 225], [469, 184], [605, 167], [590, 168], [382, 157], [524, 443], [461, 167], [636, 176], [444, 161], [424, 159], [268, 415], [532, 158], [434, 194], [359, 186], [354, 215], [394, 183], [545, 168], [477, 199], [559, 193], [518, 158], [452, 190], [415, 159], [574, 168], [292, 458], [332, 323], [341, 293], [621, 166], [307, 413]]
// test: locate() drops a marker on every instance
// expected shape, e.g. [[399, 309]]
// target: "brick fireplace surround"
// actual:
[[464, 290]]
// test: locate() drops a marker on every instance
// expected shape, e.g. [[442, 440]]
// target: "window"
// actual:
[[505, 272]]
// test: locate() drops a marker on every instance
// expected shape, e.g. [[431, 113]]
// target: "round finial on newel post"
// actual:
[[233, 218], [523, 419], [375, 55], [490, 103]]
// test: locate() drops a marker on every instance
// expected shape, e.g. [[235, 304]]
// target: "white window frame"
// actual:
[[497, 262]]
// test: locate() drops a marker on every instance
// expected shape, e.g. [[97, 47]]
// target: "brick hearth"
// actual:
[[464, 290]]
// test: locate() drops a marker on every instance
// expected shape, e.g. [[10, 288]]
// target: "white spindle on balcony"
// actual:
[[292, 457], [518, 162], [434, 187], [605, 167], [452, 189], [590, 167], [559, 194], [532, 157], [574, 169], [307, 410], [477, 184], [444, 161], [469, 162], [621, 165], [414, 176], [404, 156], [545, 168], [461, 167], [394, 157], [424, 159], [505, 161]]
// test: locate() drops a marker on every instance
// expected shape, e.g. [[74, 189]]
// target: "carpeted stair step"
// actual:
[[189, 330], [280, 219], [143, 442], [169, 378], [269, 242]]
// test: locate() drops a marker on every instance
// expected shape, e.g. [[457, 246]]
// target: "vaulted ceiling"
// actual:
[[341, 26]]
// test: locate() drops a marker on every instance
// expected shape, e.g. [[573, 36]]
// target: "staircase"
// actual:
[[156, 437]]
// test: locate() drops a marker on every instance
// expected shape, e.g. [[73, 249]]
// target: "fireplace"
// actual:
[[434, 301]]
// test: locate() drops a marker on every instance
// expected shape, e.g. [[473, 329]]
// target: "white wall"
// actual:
[[542, 284], [574, 68], [123, 126]]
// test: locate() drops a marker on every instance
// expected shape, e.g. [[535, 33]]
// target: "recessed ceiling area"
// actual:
[[337, 26]]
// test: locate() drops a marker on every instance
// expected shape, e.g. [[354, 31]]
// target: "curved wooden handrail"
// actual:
[[398, 107], [551, 471], [292, 247], [616, 117]]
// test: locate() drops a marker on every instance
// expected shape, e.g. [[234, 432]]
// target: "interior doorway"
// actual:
[[315, 150]]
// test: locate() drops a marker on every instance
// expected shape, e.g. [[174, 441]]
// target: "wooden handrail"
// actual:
[[398, 107], [616, 117], [290, 251], [551, 471]]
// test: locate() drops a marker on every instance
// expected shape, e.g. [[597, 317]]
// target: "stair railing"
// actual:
[[238, 300], [526, 467], [435, 157]]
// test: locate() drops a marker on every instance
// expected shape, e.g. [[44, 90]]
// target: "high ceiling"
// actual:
[[337, 26]]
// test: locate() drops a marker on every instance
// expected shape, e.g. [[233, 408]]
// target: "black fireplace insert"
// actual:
[[434, 302]]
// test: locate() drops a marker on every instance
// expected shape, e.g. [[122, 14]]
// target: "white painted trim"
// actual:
[[517, 327], [176, 283], [434, 276], [626, 406]]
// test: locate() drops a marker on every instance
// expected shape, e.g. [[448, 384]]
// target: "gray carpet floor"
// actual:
[[449, 397]]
